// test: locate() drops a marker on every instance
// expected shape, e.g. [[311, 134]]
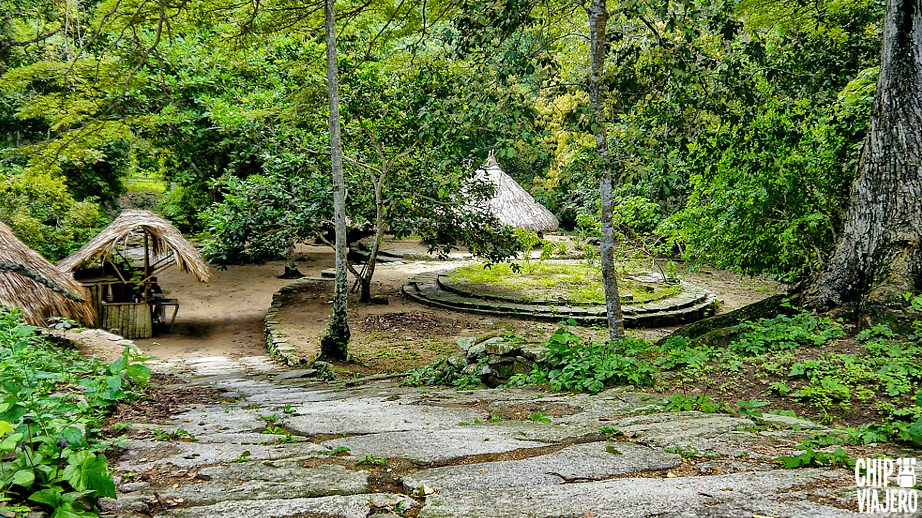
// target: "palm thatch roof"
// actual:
[[511, 204], [139, 227], [31, 282]]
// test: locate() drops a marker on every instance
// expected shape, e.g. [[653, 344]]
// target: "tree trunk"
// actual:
[[598, 18], [334, 343], [878, 257], [369, 271]]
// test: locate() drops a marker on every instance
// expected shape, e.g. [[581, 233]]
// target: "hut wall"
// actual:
[[129, 319]]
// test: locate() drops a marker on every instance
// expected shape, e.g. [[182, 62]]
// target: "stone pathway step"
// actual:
[[382, 449]]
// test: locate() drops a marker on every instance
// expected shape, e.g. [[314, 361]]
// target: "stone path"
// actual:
[[379, 449]]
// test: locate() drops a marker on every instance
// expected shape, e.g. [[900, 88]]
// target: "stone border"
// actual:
[[277, 344], [694, 303]]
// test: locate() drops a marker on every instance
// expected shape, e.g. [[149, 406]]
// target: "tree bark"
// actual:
[[369, 271], [878, 256], [334, 343], [598, 18]]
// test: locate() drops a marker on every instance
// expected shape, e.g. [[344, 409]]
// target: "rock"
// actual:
[[477, 351], [350, 506], [788, 422], [458, 362], [535, 353], [740, 494], [466, 342], [498, 346], [582, 463], [267, 480], [434, 445], [293, 374]]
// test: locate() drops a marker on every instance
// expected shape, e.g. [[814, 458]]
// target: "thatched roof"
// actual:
[[31, 282], [167, 245], [511, 204]]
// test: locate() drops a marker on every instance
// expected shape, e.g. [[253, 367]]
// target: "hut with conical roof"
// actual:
[[511, 204], [118, 282], [31, 282]]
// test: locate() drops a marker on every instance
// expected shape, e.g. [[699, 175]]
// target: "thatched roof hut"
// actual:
[[31, 282], [165, 243], [511, 204]]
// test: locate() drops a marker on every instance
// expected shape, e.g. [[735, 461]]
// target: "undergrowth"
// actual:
[[52, 403], [869, 383]]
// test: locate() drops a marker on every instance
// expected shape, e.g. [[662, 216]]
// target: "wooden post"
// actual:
[[146, 257]]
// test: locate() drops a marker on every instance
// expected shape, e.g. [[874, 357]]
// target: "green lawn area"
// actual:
[[557, 281]]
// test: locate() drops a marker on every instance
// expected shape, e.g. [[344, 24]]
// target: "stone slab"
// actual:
[[737, 495], [364, 415], [269, 480], [583, 462], [434, 445], [348, 506]]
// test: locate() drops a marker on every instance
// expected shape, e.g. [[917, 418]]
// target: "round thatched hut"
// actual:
[[164, 245], [31, 282], [126, 295], [511, 204]]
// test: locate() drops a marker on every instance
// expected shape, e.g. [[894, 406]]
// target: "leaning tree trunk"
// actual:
[[334, 343], [598, 18], [878, 257]]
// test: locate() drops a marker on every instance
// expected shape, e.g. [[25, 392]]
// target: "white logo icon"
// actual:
[[906, 475]]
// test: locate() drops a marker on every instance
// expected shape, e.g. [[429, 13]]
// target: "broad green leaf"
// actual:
[[24, 477]]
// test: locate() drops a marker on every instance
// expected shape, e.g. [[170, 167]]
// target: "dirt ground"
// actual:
[[225, 316]]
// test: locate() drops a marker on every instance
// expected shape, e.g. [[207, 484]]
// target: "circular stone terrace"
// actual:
[[649, 302]]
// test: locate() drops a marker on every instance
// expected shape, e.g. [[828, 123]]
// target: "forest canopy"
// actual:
[[736, 124]]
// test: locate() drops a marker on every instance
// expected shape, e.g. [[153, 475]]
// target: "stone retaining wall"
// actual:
[[277, 344]]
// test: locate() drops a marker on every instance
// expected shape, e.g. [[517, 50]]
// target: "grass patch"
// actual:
[[562, 282]]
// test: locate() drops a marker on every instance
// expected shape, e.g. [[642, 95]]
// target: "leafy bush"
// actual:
[[783, 332], [41, 212], [572, 363], [52, 402], [442, 372]]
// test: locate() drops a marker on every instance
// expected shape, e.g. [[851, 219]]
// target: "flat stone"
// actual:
[[580, 463], [292, 374], [269, 480], [142, 455], [676, 427], [434, 445], [365, 415], [346, 506], [787, 422], [739, 494]]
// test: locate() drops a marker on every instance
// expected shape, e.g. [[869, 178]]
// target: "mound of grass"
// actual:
[[561, 282]]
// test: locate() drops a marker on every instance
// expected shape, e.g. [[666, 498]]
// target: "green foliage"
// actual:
[[813, 458], [442, 372], [371, 460], [41, 212], [573, 363], [700, 403], [175, 435], [52, 402], [783, 332], [539, 417]]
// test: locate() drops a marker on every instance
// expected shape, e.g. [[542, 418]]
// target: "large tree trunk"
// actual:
[[334, 343], [878, 257], [598, 18]]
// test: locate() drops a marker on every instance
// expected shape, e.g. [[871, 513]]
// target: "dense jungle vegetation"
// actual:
[[737, 124]]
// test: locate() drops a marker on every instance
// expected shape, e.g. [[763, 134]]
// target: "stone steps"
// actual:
[[692, 304]]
